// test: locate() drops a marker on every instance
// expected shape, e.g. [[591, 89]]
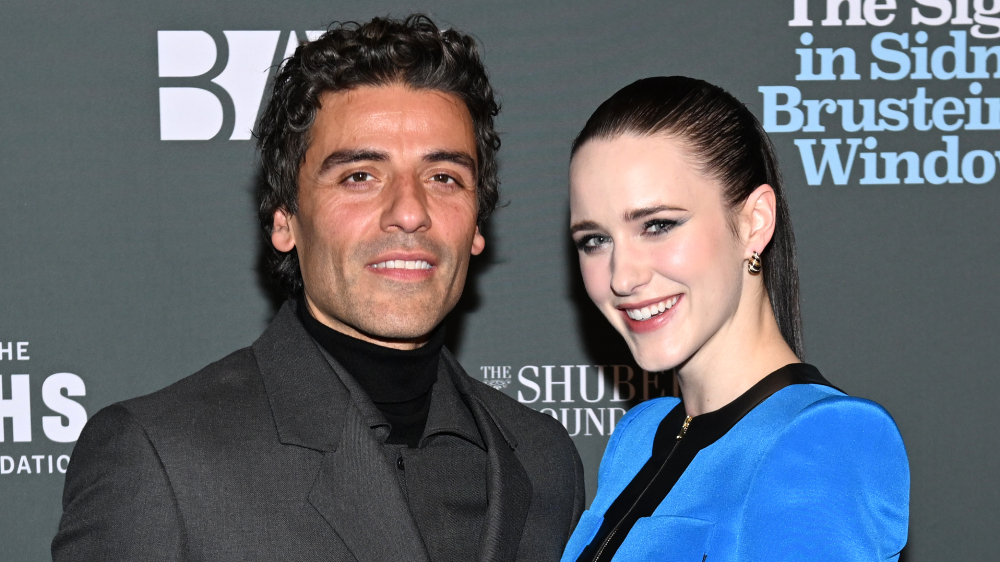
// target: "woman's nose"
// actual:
[[629, 271], [407, 209]]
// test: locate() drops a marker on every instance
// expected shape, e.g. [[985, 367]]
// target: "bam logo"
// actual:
[[212, 95]]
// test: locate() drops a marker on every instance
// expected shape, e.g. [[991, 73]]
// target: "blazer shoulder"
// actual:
[[837, 468], [230, 384], [851, 443], [846, 413], [515, 416], [835, 428]]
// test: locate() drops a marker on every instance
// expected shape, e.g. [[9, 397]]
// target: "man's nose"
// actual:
[[406, 209], [629, 270]]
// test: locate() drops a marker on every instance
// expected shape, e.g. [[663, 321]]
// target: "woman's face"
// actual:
[[657, 253]]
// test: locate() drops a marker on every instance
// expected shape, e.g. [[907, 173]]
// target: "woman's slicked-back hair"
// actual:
[[729, 145], [412, 52]]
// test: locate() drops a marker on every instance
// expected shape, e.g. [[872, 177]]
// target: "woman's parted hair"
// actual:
[[413, 52], [730, 145]]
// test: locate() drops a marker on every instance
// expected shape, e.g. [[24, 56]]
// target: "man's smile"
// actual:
[[400, 264], [403, 265]]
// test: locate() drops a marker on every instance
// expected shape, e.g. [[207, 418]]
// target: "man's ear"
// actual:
[[478, 243], [759, 214], [282, 234]]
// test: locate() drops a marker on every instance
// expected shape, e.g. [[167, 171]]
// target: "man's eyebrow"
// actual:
[[455, 157], [350, 155], [583, 225], [643, 212]]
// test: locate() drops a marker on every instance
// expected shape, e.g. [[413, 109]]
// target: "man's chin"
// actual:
[[397, 330]]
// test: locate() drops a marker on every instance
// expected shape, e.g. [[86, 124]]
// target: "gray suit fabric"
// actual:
[[264, 456], [444, 478]]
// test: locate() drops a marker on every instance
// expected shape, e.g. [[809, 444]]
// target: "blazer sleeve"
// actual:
[[118, 504], [834, 487]]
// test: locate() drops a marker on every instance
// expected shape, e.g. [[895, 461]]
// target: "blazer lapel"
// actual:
[[358, 494], [509, 488], [356, 490]]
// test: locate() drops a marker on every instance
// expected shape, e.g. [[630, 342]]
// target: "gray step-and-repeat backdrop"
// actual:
[[130, 257]]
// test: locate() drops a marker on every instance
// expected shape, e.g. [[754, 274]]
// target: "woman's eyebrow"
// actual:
[[584, 225], [631, 215]]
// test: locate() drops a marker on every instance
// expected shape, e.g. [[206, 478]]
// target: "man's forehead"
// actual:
[[391, 107], [391, 122]]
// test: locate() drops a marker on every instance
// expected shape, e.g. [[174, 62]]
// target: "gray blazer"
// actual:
[[263, 456]]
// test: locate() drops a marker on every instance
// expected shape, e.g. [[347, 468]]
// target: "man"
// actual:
[[346, 432]]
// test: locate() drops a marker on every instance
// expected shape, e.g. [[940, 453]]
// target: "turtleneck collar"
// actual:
[[387, 375]]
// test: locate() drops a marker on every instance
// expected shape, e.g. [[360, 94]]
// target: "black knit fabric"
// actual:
[[397, 381]]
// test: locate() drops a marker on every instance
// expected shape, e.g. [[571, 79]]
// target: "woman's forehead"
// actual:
[[634, 171]]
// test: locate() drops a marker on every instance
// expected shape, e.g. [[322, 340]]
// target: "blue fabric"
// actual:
[[808, 475]]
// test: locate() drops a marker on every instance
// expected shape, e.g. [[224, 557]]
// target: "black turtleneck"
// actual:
[[398, 381]]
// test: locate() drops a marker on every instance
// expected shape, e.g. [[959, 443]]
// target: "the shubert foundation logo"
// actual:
[[22, 453], [588, 400]]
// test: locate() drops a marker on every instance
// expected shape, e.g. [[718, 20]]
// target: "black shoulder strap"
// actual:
[[671, 457]]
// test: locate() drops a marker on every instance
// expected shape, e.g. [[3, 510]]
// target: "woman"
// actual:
[[686, 247]]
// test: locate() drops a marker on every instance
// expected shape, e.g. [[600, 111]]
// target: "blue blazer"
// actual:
[[808, 475]]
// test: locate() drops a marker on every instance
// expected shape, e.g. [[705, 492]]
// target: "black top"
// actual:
[[397, 381], [673, 451]]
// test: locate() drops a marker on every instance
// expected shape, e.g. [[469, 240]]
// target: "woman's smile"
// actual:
[[648, 316]]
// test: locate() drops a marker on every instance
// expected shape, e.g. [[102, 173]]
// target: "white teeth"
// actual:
[[401, 264], [647, 312]]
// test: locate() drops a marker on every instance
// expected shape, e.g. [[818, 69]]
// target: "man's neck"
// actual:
[[386, 374], [334, 324]]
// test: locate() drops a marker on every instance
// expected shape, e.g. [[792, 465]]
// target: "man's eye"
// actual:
[[592, 243], [359, 177], [443, 178]]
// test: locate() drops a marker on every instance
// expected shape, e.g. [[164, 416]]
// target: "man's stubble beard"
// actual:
[[411, 316], [381, 308]]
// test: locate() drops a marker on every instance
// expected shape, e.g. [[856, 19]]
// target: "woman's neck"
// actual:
[[744, 351]]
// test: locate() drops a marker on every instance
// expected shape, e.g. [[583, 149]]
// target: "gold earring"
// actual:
[[754, 266]]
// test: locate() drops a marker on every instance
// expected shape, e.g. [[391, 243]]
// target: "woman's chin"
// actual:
[[653, 360]]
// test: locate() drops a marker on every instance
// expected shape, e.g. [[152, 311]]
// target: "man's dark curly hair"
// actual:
[[413, 52]]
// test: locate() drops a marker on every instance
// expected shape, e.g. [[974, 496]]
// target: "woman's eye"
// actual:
[[592, 243], [360, 177], [658, 226]]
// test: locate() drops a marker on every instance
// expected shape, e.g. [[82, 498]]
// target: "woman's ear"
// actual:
[[759, 214]]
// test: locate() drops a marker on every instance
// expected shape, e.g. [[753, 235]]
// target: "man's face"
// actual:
[[386, 220]]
